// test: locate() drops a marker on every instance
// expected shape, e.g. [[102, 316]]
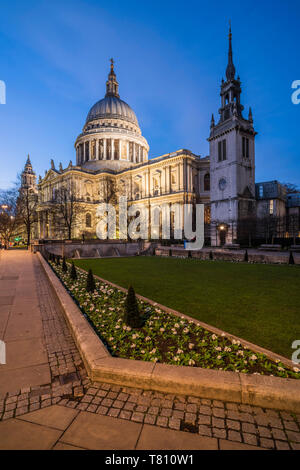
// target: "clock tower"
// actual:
[[232, 163]]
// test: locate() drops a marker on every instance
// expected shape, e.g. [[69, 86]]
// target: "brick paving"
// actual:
[[70, 387]]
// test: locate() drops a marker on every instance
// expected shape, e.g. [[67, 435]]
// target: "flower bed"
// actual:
[[164, 338]]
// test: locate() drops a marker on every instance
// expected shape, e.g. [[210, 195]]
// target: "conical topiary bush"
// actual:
[[73, 272], [211, 255], [291, 258], [246, 258], [90, 282], [64, 265], [132, 316]]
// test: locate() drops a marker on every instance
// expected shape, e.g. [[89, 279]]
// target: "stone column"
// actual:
[[127, 146], [104, 150], [120, 149], [83, 151], [97, 150], [133, 152], [112, 157]]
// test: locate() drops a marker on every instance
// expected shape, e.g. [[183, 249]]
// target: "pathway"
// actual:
[[48, 402]]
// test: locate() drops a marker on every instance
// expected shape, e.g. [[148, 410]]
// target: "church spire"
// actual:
[[112, 86], [230, 70]]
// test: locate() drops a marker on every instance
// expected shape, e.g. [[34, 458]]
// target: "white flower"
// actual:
[[162, 330], [176, 358], [186, 330], [147, 338], [191, 362], [176, 325], [280, 368], [213, 337], [191, 345], [218, 348], [179, 351], [253, 357], [295, 369], [240, 352], [219, 357]]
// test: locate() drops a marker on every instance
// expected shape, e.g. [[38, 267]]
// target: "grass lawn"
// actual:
[[260, 303]]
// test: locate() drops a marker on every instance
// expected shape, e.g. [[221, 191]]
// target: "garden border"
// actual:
[[263, 391]]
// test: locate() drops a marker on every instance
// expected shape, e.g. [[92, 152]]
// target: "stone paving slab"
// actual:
[[155, 438], [57, 417], [17, 434], [35, 399], [94, 431], [15, 379]]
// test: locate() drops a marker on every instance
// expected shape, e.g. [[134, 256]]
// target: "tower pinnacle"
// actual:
[[230, 70]]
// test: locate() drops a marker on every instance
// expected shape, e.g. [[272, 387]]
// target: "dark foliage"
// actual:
[[132, 316]]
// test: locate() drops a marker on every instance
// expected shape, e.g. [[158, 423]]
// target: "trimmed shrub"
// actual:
[[211, 255], [90, 282], [291, 258], [132, 316], [73, 272], [246, 258], [64, 265]]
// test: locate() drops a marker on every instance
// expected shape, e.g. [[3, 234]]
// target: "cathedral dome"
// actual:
[[111, 138], [112, 107]]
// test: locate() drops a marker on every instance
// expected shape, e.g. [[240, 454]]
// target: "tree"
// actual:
[[67, 207], [8, 215], [64, 265], [132, 316], [26, 209], [73, 273], [90, 282]]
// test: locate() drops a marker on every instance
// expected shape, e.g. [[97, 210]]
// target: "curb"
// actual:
[[263, 391]]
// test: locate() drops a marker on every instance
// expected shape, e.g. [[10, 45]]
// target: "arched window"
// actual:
[[207, 182], [88, 220]]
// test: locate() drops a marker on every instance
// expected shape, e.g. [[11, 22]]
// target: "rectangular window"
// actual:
[[222, 150], [271, 207], [245, 146], [261, 191]]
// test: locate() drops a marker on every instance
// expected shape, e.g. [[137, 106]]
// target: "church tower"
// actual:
[[28, 177], [232, 163]]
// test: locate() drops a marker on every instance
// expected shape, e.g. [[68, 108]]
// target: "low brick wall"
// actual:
[[254, 256]]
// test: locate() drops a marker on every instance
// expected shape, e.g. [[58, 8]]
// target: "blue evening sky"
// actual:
[[170, 58]]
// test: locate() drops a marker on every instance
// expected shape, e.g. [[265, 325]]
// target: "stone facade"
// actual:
[[112, 161]]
